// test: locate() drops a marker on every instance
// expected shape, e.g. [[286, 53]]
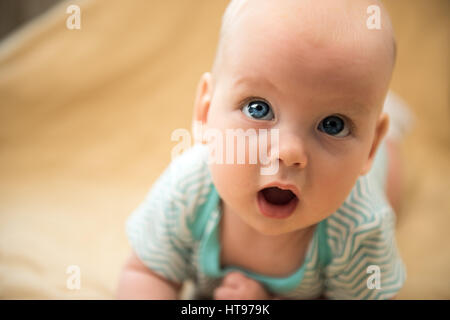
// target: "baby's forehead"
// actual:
[[319, 23]]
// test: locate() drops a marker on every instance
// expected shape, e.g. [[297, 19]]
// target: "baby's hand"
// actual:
[[236, 286]]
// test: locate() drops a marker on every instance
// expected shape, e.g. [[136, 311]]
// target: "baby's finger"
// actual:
[[234, 279], [225, 293]]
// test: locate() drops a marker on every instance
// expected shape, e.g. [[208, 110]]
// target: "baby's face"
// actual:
[[324, 97]]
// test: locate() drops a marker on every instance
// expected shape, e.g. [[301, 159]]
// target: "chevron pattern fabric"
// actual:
[[171, 233]]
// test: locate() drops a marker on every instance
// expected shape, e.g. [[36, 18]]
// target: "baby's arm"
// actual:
[[237, 286], [137, 281]]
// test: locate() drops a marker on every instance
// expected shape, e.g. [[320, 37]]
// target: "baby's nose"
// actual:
[[292, 152]]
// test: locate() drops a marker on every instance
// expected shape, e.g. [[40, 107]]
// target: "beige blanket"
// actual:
[[85, 123]]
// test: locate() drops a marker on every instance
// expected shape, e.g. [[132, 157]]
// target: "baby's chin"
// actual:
[[274, 227]]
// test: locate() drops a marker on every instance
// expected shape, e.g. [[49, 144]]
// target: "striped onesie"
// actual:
[[352, 254]]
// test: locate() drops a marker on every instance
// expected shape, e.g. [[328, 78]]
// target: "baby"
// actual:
[[321, 224]]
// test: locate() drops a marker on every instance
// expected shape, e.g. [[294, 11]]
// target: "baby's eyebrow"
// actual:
[[244, 80], [356, 109]]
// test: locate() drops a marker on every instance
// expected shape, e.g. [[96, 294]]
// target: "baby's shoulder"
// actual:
[[189, 169], [186, 176], [184, 187]]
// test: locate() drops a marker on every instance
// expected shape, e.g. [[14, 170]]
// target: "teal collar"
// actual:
[[209, 256]]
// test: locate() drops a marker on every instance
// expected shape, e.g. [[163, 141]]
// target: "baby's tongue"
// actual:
[[277, 196]]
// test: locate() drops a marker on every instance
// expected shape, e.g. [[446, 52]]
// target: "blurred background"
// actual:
[[86, 117]]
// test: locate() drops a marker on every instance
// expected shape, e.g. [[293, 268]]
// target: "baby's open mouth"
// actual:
[[277, 196], [274, 202]]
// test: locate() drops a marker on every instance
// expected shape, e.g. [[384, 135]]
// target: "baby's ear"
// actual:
[[201, 106], [203, 98], [380, 132]]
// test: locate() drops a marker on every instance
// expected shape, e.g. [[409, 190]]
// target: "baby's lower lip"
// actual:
[[276, 211]]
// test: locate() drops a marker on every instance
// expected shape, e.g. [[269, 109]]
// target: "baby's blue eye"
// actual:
[[334, 126], [258, 109]]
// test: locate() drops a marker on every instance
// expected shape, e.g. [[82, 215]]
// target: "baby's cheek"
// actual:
[[334, 189], [234, 182]]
